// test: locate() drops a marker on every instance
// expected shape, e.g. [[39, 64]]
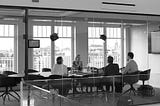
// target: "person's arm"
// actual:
[[73, 65], [117, 69], [53, 69], [126, 69], [81, 65], [65, 70]]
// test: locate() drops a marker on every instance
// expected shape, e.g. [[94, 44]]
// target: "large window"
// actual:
[[7, 55], [42, 55], [113, 43], [63, 44], [95, 47]]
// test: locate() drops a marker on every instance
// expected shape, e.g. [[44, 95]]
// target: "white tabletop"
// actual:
[[44, 74]]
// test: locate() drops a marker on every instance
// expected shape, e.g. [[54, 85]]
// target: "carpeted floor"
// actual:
[[40, 98]]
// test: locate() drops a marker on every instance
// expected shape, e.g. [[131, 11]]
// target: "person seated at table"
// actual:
[[59, 68], [110, 70], [77, 63], [131, 66]]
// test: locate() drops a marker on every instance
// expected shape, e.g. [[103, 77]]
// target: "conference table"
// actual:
[[76, 79]]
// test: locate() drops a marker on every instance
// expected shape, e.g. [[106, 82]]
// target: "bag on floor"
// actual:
[[125, 101], [146, 90]]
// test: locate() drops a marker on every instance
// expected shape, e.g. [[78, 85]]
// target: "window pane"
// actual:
[[7, 47], [113, 32], [63, 48], [42, 55], [63, 31], [96, 53], [7, 54], [95, 47], [63, 44], [95, 32], [114, 49], [41, 31]]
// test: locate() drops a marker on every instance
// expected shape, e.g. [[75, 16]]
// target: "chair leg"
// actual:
[[14, 92], [143, 82], [126, 91], [13, 96], [4, 98], [131, 89]]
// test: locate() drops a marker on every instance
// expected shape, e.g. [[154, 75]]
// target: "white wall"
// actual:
[[139, 45], [142, 6]]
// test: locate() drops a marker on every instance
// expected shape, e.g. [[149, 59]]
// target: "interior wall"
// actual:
[[139, 45], [82, 41], [21, 49]]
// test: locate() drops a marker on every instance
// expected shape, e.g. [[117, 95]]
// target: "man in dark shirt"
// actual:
[[110, 70]]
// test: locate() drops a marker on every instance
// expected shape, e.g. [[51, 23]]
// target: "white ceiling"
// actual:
[[38, 13]]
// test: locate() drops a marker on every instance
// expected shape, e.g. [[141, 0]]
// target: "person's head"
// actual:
[[78, 57], [130, 55], [59, 60], [110, 59]]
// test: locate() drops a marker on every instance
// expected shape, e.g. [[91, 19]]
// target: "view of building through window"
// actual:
[[63, 44], [42, 55], [7, 47], [113, 44], [96, 45]]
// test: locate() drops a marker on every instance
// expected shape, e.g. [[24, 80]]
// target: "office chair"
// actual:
[[57, 76], [6, 73], [46, 70], [33, 77], [31, 71], [144, 75], [131, 79], [62, 85], [8, 83], [89, 81]]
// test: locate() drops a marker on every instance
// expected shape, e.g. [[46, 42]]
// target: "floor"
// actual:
[[39, 98]]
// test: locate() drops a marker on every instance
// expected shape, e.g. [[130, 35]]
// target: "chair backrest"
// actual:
[[7, 81], [6, 73], [145, 75], [111, 69], [56, 76], [46, 70], [131, 78], [31, 71], [33, 77], [65, 83]]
